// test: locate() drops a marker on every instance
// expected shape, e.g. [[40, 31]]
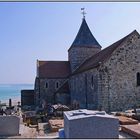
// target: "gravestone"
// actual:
[[9, 125], [90, 124]]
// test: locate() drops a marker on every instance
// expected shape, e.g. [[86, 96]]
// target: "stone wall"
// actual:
[[37, 91], [27, 97], [78, 55], [47, 94], [82, 90], [63, 98], [119, 80], [115, 81]]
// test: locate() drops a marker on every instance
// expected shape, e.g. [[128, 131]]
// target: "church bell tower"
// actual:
[[84, 46]]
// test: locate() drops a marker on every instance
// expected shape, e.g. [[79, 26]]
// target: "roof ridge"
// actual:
[[52, 61], [113, 46]]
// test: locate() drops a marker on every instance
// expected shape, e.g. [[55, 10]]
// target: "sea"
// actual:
[[12, 91]]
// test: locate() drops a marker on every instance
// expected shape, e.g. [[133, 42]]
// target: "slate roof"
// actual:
[[64, 88], [84, 37], [101, 56], [53, 69]]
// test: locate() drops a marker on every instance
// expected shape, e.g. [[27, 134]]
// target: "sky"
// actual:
[[45, 30]]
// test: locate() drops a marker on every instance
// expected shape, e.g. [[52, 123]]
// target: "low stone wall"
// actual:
[[9, 125]]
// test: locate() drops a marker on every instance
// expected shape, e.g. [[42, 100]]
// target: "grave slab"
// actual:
[[90, 124], [127, 121], [133, 130], [55, 125], [9, 125]]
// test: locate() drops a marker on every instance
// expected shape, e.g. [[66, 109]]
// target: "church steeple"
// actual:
[[84, 45], [84, 37]]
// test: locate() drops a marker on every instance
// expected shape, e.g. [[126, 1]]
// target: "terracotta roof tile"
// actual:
[[53, 69]]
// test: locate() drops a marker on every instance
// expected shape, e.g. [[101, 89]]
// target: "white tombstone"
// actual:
[[90, 124], [9, 125]]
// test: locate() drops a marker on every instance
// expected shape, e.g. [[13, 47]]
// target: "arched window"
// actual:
[[138, 79], [47, 84], [57, 85], [92, 82]]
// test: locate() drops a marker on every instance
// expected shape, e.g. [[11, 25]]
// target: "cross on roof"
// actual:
[[83, 12]]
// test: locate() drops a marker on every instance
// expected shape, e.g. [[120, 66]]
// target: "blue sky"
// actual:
[[45, 31]]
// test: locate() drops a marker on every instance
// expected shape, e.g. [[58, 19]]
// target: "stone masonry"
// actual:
[[78, 55], [97, 79], [119, 76], [47, 94], [115, 80]]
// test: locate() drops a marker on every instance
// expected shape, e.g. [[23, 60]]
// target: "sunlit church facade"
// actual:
[[94, 78]]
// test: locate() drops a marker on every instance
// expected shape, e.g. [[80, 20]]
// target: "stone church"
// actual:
[[94, 78]]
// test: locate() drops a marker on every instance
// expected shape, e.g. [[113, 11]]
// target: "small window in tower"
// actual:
[[47, 84], [138, 79], [92, 82], [57, 85]]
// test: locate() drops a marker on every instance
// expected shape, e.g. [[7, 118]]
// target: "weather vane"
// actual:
[[83, 12]]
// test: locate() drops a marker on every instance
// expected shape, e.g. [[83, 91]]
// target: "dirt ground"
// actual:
[[31, 132]]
